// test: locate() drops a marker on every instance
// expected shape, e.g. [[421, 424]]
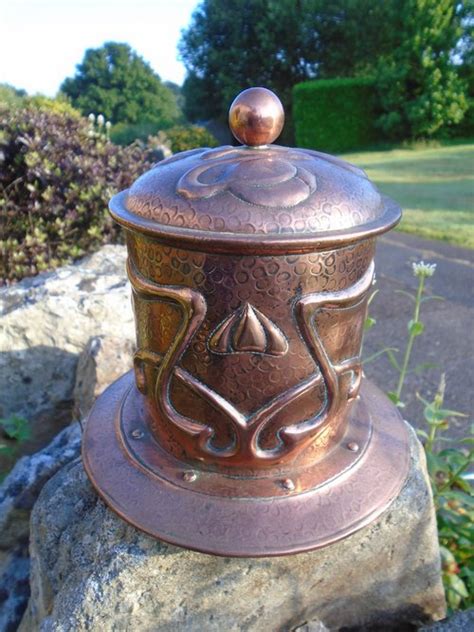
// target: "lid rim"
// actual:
[[245, 243]]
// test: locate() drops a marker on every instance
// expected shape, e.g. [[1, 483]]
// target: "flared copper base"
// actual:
[[228, 515]]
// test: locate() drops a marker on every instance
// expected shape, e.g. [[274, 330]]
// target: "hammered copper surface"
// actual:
[[193, 508], [264, 397], [250, 200], [251, 269]]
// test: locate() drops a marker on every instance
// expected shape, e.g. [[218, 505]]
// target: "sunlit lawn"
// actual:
[[435, 188]]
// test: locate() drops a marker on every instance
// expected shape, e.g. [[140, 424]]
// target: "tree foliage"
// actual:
[[406, 44], [115, 81], [275, 43], [230, 46], [419, 87]]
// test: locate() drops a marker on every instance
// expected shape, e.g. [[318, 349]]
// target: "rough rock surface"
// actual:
[[14, 587], [93, 572], [18, 493], [22, 486], [311, 626], [103, 361], [47, 322]]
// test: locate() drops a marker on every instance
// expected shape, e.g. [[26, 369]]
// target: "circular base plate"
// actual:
[[167, 499]]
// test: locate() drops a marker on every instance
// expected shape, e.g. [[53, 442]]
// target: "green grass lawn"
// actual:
[[434, 186]]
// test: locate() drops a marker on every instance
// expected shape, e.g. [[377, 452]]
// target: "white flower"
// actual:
[[108, 124], [422, 269], [100, 120], [92, 118]]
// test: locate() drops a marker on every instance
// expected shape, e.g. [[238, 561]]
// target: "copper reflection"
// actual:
[[256, 117]]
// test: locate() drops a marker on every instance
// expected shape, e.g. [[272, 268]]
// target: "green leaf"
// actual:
[[462, 497], [436, 464], [422, 434], [423, 366], [395, 399], [458, 586], [450, 413], [433, 297], [392, 359], [377, 354], [468, 440], [369, 323], [446, 556], [16, 427], [415, 327]]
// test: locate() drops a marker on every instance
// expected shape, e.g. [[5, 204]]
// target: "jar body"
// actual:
[[248, 361]]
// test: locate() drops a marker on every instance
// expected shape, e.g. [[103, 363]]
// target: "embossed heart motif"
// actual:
[[247, 330]]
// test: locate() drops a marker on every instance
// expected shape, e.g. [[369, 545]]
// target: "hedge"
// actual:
[[334, 115]]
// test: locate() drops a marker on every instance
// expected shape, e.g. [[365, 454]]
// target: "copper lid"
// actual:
[[258, 196]]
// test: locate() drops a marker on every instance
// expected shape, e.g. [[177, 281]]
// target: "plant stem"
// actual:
[[411, 339], [431, 439], [453, 476]]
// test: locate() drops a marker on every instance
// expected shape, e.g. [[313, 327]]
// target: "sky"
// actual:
[[42, 41]]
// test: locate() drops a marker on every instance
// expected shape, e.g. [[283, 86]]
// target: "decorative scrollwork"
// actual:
[[271, 179], [247, 429]]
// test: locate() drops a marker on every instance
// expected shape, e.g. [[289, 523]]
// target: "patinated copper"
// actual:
[[245, 430]]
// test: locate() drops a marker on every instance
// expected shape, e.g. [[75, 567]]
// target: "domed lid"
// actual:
[[259, 197]]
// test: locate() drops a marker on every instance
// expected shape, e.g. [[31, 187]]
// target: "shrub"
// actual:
[[126, 133], [56, 177], [334, 114], [57, 105], [177, 138], [11, 95], [184, 137]]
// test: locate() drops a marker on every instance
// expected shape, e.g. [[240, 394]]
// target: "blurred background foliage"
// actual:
[[115, 81], [413, 49], [352, 74]]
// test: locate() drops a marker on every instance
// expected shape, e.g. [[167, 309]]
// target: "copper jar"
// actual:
[[245, 429]]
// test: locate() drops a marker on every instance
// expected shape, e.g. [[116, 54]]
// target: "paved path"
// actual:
[[448, 340]]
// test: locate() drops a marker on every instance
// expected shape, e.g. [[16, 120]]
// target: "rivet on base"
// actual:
[[137, 434], [288, 484], [353, 446], [189, 477]]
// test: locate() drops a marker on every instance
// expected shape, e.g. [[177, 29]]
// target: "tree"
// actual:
[[420, 91], [230, 46], [115, 81], [408, 45], [276, 43]]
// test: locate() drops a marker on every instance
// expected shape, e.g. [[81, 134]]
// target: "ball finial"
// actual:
[[256, 117]]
